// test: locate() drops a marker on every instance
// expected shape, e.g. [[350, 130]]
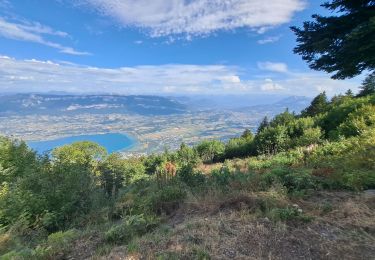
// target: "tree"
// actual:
[[112, 174], [358, 121], [84, 153], [349, 93], [239, 147], [187, 156], [272, 140], [310, 136], [284, 118], [16, 159], [342, 44], [368, 86], [338, 113], [317, 106], [210, 150], [247, 134], [265, 123]]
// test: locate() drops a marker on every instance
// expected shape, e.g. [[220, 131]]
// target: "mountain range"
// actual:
[[46, 104], [21, 104]]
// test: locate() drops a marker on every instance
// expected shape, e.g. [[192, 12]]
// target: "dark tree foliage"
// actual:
[[368, 86], [265, 122], [349, 93], [342, 44], [317, 106], [247, 134]]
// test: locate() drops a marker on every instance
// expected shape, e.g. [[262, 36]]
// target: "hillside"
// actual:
[[301, 187]]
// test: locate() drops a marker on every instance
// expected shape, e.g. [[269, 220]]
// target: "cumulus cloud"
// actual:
[[34, 32], [42, 76], [269, 85], [197, 17], [273, 66]]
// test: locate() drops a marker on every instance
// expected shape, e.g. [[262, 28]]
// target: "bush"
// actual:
[[358, 180], [338, 114], [166, 200], [222, 176], [193, 179], [57, 245], [291, 158], [358, 121], [239, 147], [131, 226], [210, 150], [23, 254], [293, 180], [60, 241]]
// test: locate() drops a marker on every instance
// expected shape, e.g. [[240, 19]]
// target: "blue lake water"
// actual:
[[113, 142]]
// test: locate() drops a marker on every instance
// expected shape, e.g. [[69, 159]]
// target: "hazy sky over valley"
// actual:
[[158, 47]]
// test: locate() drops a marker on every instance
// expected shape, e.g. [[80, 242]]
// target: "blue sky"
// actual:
[[158, 47]]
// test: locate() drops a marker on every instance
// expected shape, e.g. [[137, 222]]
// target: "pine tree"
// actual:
[[265, 123], [342, 43], [317, 106], [368, 86], [349, 93]]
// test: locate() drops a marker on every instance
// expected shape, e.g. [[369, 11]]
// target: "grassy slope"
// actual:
[[240, 223], [235, 230]]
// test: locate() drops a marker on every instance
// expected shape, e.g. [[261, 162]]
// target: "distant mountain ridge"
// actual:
[[293, 104], [21, 104], [47, 104]]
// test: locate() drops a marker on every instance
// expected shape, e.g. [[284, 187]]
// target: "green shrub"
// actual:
[[57, 244], [166, 200], [358, 180], [24, 254], [193, 179], [222, 176], [130, 227], [60, 241], [293, 180], [210, 150], [290, 158]]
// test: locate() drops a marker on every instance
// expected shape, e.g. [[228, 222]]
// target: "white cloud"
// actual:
[[34, 32], [273, 66], [231, 79], [47, 76], [269, 85], [42, 76], [197, 17], [270, 39]]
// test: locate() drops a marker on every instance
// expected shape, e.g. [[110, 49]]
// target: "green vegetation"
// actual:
[[80, 202], [342, 43], [49, 201]]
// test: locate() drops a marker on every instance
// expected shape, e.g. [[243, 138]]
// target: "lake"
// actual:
[[113, 142]]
